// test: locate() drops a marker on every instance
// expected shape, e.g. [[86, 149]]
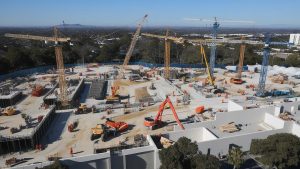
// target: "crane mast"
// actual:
[[59, 59], [167, 55], [213, 47], [241, 60], [210, 78], [133, 42]]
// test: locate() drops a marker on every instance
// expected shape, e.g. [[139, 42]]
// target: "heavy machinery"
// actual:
[[110, 128], [82, 109], [37, 90], [157, 122], [238, 78], [59, 59], [115, 87], [9, 111]]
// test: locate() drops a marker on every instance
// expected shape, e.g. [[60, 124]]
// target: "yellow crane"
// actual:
[[115, 87], [167, 39], [167, 55], [133, 42], [210, 78], [59, 59], [180, 40]]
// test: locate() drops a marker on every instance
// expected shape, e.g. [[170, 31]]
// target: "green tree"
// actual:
[[184, 155], [235, 157], [55, 165], [293, 60], [279, 150], [201, 161]]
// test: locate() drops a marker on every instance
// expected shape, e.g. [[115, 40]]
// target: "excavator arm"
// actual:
[[149, 123]]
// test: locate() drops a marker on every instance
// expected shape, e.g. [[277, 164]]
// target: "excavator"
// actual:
[[110, 128], [157, 122], [238, 78]]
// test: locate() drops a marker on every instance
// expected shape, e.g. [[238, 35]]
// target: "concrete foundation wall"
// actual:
[[296, 129], [273, 121], [239, 117], [232, 106], [195, 134], [89, 162], [144, 160]]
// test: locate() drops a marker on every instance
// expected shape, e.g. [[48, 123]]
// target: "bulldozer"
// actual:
[[110, 128]]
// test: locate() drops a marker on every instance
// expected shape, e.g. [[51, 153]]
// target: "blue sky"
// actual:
[[270, 13]]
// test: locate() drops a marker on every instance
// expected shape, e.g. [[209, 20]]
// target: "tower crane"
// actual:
[[265, 63], [238, 78], [133, 42], [115, 87], [168, 39], [59, 59], [209, 73], [215, 27], [167, 55], [213, 47]]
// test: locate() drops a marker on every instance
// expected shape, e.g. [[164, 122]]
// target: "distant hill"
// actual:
[[71, 26]]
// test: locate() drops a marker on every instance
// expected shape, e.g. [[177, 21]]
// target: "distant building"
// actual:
[[295, 39]]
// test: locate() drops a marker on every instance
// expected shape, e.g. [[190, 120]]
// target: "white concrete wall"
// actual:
[[232, 106], [273, 121], [222, 145], [195, 134], [207, 135], [296, 129]]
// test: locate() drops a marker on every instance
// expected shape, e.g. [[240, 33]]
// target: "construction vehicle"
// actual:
[[59, 59], [73, 126], [199, 110], [9, 111], [110, 128], [115, 87], [82, 109], [157, 122], [37, 90], [238, 78]]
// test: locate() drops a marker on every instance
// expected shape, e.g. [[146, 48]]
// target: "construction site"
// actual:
[[120, 116]]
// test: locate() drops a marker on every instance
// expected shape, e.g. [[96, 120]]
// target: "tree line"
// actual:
[[15, 56]]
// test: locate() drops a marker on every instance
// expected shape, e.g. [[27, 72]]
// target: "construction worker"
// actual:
[[71, 151]]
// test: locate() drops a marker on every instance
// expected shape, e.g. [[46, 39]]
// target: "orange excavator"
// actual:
[[157, 122], [110, 128]]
